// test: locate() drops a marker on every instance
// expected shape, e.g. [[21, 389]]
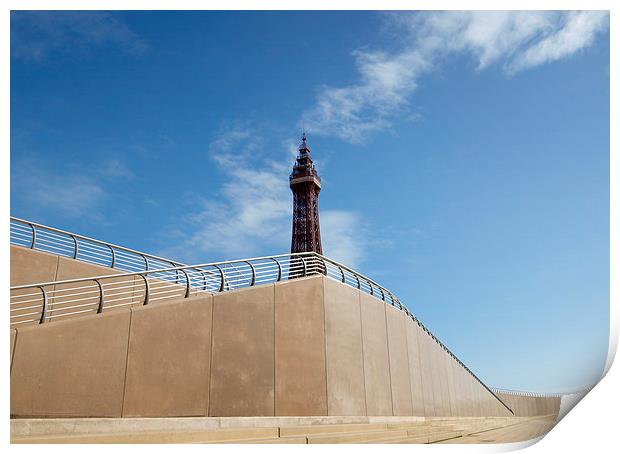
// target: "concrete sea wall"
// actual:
[[305, 347]]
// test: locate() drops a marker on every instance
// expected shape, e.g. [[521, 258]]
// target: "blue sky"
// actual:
[[464, 157]]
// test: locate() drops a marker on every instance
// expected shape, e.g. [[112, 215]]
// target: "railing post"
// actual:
[[303, 261], [188, 283], [370, 285], [204, 280], [34, 236], [359, 284], [253, 281], [147, 290], [146, 262], [279, 269], [100, 307], [45, 303], [324, 267], [113, 256], [342, 274], [75, 247], [222, 278]]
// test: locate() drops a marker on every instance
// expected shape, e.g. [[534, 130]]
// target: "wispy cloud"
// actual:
[[67, 189], [115, 168], [515, 40], [37, 34], [71, 195], [343, 236], [251, 213]]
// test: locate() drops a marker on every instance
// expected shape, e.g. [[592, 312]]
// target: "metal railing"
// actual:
[[514, 392], [41, 302], [67, 244]]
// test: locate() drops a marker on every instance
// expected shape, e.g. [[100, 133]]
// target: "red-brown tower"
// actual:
[[306, 185]]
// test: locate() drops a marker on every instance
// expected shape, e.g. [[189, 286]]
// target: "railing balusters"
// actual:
[[147, 289], [187, 279], [101, 296], [253, 280], [34, 236], [146, 262], [279, 278], [75, 246], [113, 256], [222, 278], [44, 307]]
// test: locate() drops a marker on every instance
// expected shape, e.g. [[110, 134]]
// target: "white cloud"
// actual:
[[253, 210], [71, 195], [37, 34], [115, 168], [516, 40], [577, 33], [343, 238]]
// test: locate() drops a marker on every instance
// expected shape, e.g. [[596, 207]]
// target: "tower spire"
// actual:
[[305, 184]]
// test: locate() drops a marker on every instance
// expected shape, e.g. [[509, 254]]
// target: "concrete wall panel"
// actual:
[[376, 357], [345, 365], [465, 405], [441, 384], [300, 376], [242, 371], [473, 392], [415, 372], [399, 362], [30, 267], [484, 400], [71, 368], [428, 388], [452, 384], [169, 359], [455, 387], [438, 383], [446, 381]]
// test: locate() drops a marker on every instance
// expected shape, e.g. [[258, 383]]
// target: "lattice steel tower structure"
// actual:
[[306, 185]]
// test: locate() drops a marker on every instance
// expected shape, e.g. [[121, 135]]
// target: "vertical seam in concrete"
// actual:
[[387, 340], [325, 348], [274, 349], [14, 348], [405, 320], [420, 386], [363, 355], [126, 362], [210, 356], [359, 306], [416, 328]]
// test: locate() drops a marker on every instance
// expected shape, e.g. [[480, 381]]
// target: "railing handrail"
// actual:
[[516, 392], [93, 240], [160, 270]]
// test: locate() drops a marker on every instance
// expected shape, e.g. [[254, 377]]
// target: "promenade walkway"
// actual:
[[301, 430]]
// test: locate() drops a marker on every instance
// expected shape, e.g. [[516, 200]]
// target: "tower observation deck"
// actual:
[[306, 185]]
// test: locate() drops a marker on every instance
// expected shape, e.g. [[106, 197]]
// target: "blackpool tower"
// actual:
[[306, 185]]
